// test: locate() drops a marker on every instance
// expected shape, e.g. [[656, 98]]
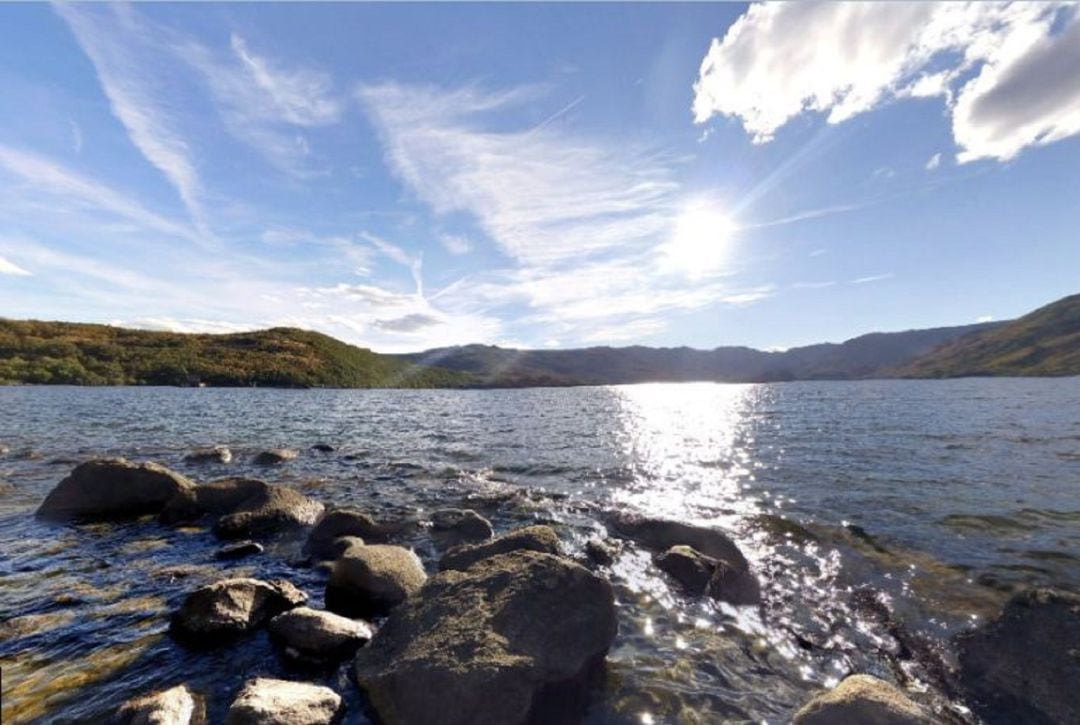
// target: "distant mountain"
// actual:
[[81, 354], [1044, 342], [861, 357]]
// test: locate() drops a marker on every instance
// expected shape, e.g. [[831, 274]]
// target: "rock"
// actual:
[[323, 448], [243, 507], [734, 585], [516, 637], [1025, 665], [175, 706], [600, 552], [4, 450], [311, 635], [216, 498], [265, 701], [339, 522], [231, 607], [217, 454], [660, 535], [457, 526], [238, 550], [369, 581], [862, 700], [112, 488], [688, 566], [531, 538], [275, 456]]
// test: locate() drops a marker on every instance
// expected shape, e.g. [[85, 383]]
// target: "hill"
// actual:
[[1045, 342], [861, 357], [84, 354]]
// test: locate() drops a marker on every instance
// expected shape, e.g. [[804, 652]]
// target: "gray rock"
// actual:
[[112, 488], [216, 454], [266, 701], [346, 521], [600, 552], [688, 566], [275, 457], [323, 448], [369, 581], [458, 526], [660, 535], [243, 507], [1025, 665], [175, 706], [862, 700], [238, 550], [231, 607], [311, 635], [514, 638], [531, 538]]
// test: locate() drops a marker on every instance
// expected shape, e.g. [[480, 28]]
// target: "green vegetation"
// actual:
[[1043, 343], [79, 354]]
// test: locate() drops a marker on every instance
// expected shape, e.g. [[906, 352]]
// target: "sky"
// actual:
[[539, 175]]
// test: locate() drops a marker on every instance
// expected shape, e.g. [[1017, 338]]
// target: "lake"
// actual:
[[933, 499]]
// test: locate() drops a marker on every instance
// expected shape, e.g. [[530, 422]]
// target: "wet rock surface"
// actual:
[[862, 700], [112, 488], [174, 706], [600, 552], [264, 700], [530, 538], [275, 456], [1025, 665], [661, 534], [346, 521], [457, 526], [230, 608], [516, 636], [689, 567], [214, 454], [272, 510], [371, 580], [312, 635], [238, 550]]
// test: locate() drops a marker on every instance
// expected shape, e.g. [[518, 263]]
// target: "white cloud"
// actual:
[[934, 162], [872, 278], [455, 243], [1006, 70], [10, 268], [301, 96], [985, 318]]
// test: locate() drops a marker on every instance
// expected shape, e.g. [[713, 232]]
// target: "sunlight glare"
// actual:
[[700, 241]]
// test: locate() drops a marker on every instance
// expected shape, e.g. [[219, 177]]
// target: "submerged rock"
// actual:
[[1025, 665], [243, 507], [531, 538], [346, 521], [457, 526], [232, 607], [661, 534], [515, 637], [175, 706], [263, 701], [238, 550], [323, 448], [216, 454], [311, 635], [112, 488], [862, 700], [371, 580], [275, 456]]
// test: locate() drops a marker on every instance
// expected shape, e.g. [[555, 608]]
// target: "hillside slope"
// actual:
[[1045, 342], [83, 354]]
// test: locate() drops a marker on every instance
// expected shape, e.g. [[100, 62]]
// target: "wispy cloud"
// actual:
[[933, 162], [872, 278], [10, 268]]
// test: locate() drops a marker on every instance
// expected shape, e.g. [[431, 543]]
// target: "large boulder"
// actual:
[[216, 498], [661, 534], [862, 700], [457, 526], [312, 635], [1025, 665], [266, 701], [112, 488], [244, 507], [369, 581], [175, 706], [348, 521], [531, 538], [515, 637], [231, 607], [698, 574]]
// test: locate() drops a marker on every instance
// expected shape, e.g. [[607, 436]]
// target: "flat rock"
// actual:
[[112, 488], [661, 534], [517, 637], [1025, 665], [216, 454], [238, 550], [458, 526], [314, 635], [175, 706], [347, 521], [371, 580], [530, 538], [862, 700], [275, 456], [263, 701], [232, 607]]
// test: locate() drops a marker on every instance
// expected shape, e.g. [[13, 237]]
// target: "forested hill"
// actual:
[[82, 354], [1045, 342]]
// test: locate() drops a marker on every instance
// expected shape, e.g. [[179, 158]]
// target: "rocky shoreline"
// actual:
[[510, 627]]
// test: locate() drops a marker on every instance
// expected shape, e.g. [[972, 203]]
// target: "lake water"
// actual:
[[932, 499]]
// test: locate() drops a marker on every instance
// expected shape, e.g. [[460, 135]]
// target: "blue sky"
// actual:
[[408, 176]]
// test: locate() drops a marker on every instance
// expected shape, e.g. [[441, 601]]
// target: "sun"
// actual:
[[700, 240]]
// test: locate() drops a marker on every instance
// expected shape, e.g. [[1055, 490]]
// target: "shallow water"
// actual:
[[931, 500]]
